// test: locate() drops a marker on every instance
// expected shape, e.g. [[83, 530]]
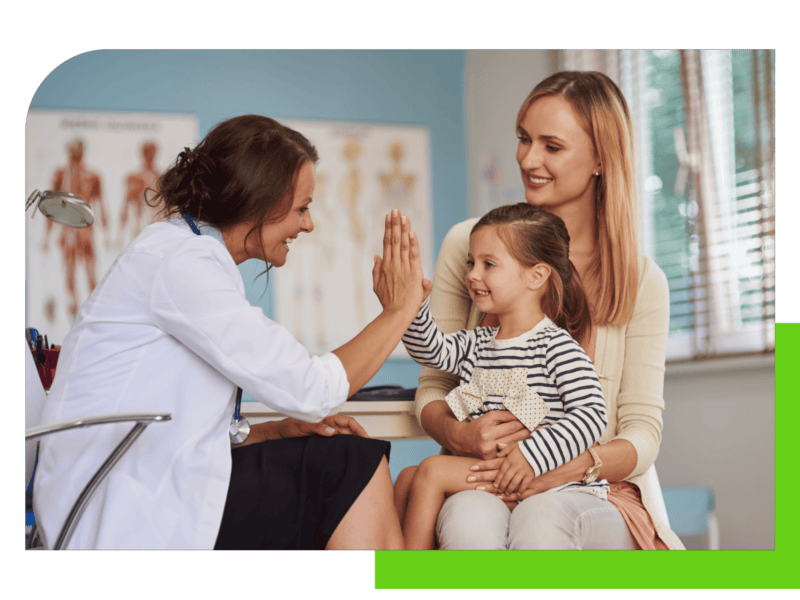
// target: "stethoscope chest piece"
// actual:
[[239, 428]]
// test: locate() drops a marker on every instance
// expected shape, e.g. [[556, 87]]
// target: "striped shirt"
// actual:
[[557, 369]]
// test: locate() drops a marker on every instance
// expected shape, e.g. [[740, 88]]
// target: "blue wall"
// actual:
[[409, 87]]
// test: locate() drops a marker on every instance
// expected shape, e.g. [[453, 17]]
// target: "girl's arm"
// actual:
[[584, 420], [429, 346]]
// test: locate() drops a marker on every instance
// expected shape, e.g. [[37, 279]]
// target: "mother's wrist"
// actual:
[[444, 428], [455, 435]]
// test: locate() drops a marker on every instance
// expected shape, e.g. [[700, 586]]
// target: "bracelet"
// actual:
[[593, 472]]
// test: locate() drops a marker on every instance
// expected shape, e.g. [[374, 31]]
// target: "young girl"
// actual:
[[531, 365]]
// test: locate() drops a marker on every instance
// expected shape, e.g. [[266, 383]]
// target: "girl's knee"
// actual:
[[425, 471], [405, 476]]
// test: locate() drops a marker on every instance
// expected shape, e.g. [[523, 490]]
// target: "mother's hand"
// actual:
[[484, 436]]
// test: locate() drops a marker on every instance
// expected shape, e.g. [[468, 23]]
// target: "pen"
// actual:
[[31, 335]]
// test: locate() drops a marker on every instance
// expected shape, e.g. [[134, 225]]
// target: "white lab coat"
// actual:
[[169, 329]]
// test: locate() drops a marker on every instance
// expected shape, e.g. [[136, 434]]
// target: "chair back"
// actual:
[[35, 397]]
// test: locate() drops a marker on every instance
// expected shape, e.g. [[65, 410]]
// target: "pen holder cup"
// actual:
[[47, 369]]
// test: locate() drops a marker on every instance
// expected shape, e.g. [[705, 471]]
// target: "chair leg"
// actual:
[[32, 538], [83, 499], [713, 532]]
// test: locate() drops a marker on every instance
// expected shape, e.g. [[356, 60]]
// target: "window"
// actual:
[[704, 123]]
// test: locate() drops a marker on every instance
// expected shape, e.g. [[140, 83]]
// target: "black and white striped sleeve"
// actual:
[[584, 420], [429, 346]]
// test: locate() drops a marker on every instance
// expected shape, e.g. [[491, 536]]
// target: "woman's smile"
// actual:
[[535, 181], [276, 237]]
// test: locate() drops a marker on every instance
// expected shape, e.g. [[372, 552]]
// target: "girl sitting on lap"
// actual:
[[531, 365]]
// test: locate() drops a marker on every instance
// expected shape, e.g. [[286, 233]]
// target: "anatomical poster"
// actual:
[[109, 159], [325, 295]]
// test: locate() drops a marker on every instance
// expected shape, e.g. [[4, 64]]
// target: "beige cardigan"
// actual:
[[629, 360]]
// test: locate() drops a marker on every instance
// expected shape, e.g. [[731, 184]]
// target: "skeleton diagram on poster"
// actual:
[[109, 159], [324, 296]]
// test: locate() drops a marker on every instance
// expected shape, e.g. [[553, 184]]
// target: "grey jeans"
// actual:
[[477, 520]]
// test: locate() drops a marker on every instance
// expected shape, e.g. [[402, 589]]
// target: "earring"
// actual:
[[597, 174]]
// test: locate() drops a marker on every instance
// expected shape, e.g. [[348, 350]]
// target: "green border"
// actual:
[[33, 48]]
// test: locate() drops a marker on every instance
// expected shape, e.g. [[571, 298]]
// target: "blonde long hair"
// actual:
[[613, 280]]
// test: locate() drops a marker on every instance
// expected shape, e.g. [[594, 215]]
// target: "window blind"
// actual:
[[704, 125]]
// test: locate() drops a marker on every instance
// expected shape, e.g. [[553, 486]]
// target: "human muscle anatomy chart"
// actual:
[[77, 246], [140, 187], [109, 159], [364, 172]]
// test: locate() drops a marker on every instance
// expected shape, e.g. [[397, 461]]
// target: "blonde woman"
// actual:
[[576, 159]]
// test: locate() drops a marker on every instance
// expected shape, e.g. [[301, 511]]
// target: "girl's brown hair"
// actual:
[[244, 169], [534, 236], [613, 278]]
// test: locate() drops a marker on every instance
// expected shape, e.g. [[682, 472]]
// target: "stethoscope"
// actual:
[[239, 428]]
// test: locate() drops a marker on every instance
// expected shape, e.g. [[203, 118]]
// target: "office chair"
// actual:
[[35, 396]]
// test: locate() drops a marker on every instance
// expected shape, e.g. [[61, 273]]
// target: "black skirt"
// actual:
[[291, 494]]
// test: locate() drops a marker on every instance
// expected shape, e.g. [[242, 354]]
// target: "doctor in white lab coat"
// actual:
[[169, 330]]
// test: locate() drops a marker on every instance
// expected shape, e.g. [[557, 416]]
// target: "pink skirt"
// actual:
[[626, 497]]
